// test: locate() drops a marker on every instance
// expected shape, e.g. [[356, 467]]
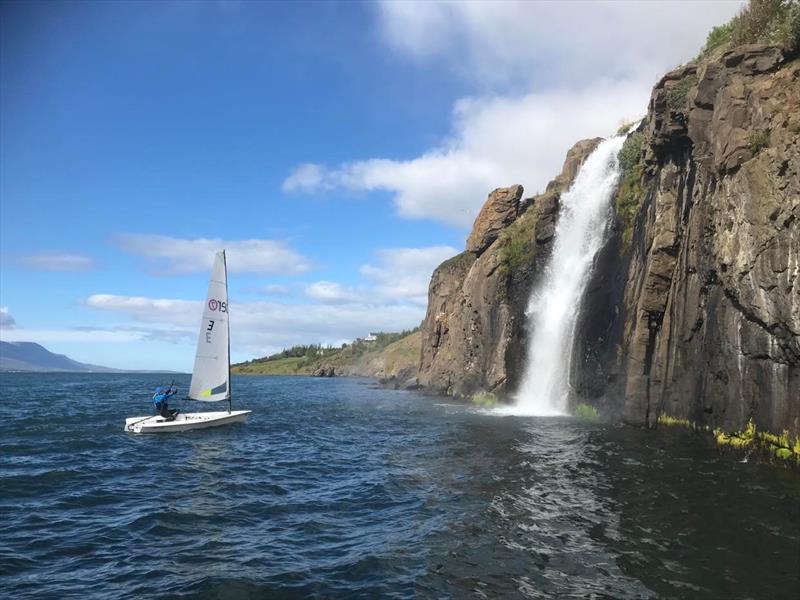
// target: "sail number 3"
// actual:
[[209, 330], [215, 305]]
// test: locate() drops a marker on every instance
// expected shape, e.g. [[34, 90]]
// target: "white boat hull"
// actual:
[[184, 421]]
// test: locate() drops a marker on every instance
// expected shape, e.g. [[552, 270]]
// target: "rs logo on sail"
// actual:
[[217, 305]]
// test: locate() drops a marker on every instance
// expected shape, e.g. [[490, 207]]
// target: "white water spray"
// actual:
[[554, 304]]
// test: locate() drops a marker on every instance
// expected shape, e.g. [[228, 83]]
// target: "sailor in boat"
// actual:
[[161, 402]]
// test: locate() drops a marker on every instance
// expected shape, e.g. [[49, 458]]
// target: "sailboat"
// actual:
[[211, 376]]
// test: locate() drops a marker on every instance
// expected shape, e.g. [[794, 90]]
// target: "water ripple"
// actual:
[[338, 489]]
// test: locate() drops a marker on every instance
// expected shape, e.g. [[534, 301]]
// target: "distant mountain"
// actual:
[[28, 356]]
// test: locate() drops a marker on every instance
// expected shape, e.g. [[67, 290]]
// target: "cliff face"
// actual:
[[473, 335], [706, 301], [694, 305]]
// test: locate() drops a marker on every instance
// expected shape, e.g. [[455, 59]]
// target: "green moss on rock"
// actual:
[[630, 193], [624, 128], [631, 152], [676, 95], [586, 412], [629, 199], [459, 261], [484, 399], [665, 419], [517, 243], [771, 445], [758, 140]]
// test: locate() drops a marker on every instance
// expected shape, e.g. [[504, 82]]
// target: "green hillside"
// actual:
[[387, 356]]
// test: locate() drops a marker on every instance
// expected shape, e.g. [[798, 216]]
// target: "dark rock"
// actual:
[[705, 322], [324, 371], [500, 210], [753, 59], [476, 300]]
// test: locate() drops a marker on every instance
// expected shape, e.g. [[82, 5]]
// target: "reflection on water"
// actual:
[[338, 489]]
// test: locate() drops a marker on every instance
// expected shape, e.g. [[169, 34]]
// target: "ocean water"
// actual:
[[336, 488]]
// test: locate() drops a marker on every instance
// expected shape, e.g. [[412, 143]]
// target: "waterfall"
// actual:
[[554, 304]]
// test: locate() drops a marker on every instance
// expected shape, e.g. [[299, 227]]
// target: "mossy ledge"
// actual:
[[459, 261], [517, 243], [630, 193], [484, 399], [586, 412], [763, 444]]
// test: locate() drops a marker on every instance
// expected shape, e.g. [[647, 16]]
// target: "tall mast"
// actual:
[[228, 321]]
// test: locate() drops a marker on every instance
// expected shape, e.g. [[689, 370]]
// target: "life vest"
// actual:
[[159, 396]]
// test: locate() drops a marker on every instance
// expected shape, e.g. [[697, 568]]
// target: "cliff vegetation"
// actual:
[[760, 22], [390, 355]]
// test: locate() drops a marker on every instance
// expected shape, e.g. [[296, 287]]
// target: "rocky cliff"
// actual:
[[695, 313], [473, 335], [694, 306]]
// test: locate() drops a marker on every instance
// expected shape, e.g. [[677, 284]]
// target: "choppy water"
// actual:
[[338, 489]]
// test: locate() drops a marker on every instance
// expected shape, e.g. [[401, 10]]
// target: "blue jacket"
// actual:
[[162, 395]]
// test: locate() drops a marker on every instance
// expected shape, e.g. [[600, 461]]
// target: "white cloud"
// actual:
[[56, 261], [404, 273], [392, 298], [6, 320], [496, 142], [401, 276], [44, 336], [552, 42], [196, 255], [330, 292], [274, 289], [11, 333], [308, 177], [262, 325], [180, 313], [577, 70], [259, 328]]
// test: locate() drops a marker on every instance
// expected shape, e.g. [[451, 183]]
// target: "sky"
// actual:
[[338, 151]]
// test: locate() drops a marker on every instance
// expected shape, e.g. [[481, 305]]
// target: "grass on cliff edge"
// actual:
[[518, 243], [761, 21], [677, 94], [459, 261], [630, 193]]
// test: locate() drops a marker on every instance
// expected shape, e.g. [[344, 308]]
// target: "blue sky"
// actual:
[[339, 151]]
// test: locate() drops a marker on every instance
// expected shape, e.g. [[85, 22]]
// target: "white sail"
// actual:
[[211, 373]]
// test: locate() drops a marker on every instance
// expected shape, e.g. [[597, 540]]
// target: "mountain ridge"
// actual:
[[31, 357]]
